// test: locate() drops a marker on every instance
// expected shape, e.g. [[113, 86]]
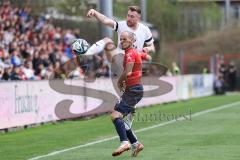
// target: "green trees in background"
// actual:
[[179, 21], [175, 20]]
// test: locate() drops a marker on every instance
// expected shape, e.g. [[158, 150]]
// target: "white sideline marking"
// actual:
[[139, 130]]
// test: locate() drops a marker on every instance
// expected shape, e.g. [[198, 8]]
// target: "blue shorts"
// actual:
[[129, 99]]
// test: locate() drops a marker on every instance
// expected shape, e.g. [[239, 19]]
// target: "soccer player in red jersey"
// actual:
[[130, 83]]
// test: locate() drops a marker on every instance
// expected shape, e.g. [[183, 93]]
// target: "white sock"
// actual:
[[96, 48], [124, 142]]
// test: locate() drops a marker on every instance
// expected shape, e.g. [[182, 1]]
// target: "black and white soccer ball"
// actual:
[[80, 46]]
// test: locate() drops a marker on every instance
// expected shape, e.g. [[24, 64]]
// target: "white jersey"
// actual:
[[143, 34]]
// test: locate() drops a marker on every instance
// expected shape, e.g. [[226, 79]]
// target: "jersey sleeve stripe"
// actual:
[[116, 28], [148, 40]]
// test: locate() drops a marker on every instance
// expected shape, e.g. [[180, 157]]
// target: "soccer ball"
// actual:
[[80, 46]]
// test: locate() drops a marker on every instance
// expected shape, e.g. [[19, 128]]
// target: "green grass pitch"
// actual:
[[210, 136]]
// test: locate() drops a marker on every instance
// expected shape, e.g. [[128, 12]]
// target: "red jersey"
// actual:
[[132, 55]]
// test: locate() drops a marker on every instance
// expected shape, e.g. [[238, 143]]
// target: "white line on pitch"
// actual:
[[140, 130]]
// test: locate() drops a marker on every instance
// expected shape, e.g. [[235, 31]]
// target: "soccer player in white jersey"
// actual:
[[143, 43], [144, 40]]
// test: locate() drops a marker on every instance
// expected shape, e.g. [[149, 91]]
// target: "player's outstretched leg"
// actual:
[[98, 46]]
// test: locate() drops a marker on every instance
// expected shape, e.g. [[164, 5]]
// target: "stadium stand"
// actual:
[[33, 48]]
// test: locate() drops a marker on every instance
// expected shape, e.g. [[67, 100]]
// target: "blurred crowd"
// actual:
[[32, 48], [226, 78]]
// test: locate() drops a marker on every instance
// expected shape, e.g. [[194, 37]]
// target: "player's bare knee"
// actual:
[[115, 115], [108, 40]]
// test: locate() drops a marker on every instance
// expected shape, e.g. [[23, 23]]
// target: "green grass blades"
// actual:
[[209, 136]]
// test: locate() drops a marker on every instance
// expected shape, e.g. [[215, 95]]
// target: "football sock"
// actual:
[[124, 142], [134, 145], [120, 128], [96, 48], [131, 136]]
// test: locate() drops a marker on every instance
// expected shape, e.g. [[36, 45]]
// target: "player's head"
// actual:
[[127, 39], [133, 16]]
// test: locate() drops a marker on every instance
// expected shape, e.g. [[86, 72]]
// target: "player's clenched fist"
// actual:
[[91, 13], [145, 49]]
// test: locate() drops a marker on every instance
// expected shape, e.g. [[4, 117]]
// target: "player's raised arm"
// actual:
[[101, 18], [149, 41]]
